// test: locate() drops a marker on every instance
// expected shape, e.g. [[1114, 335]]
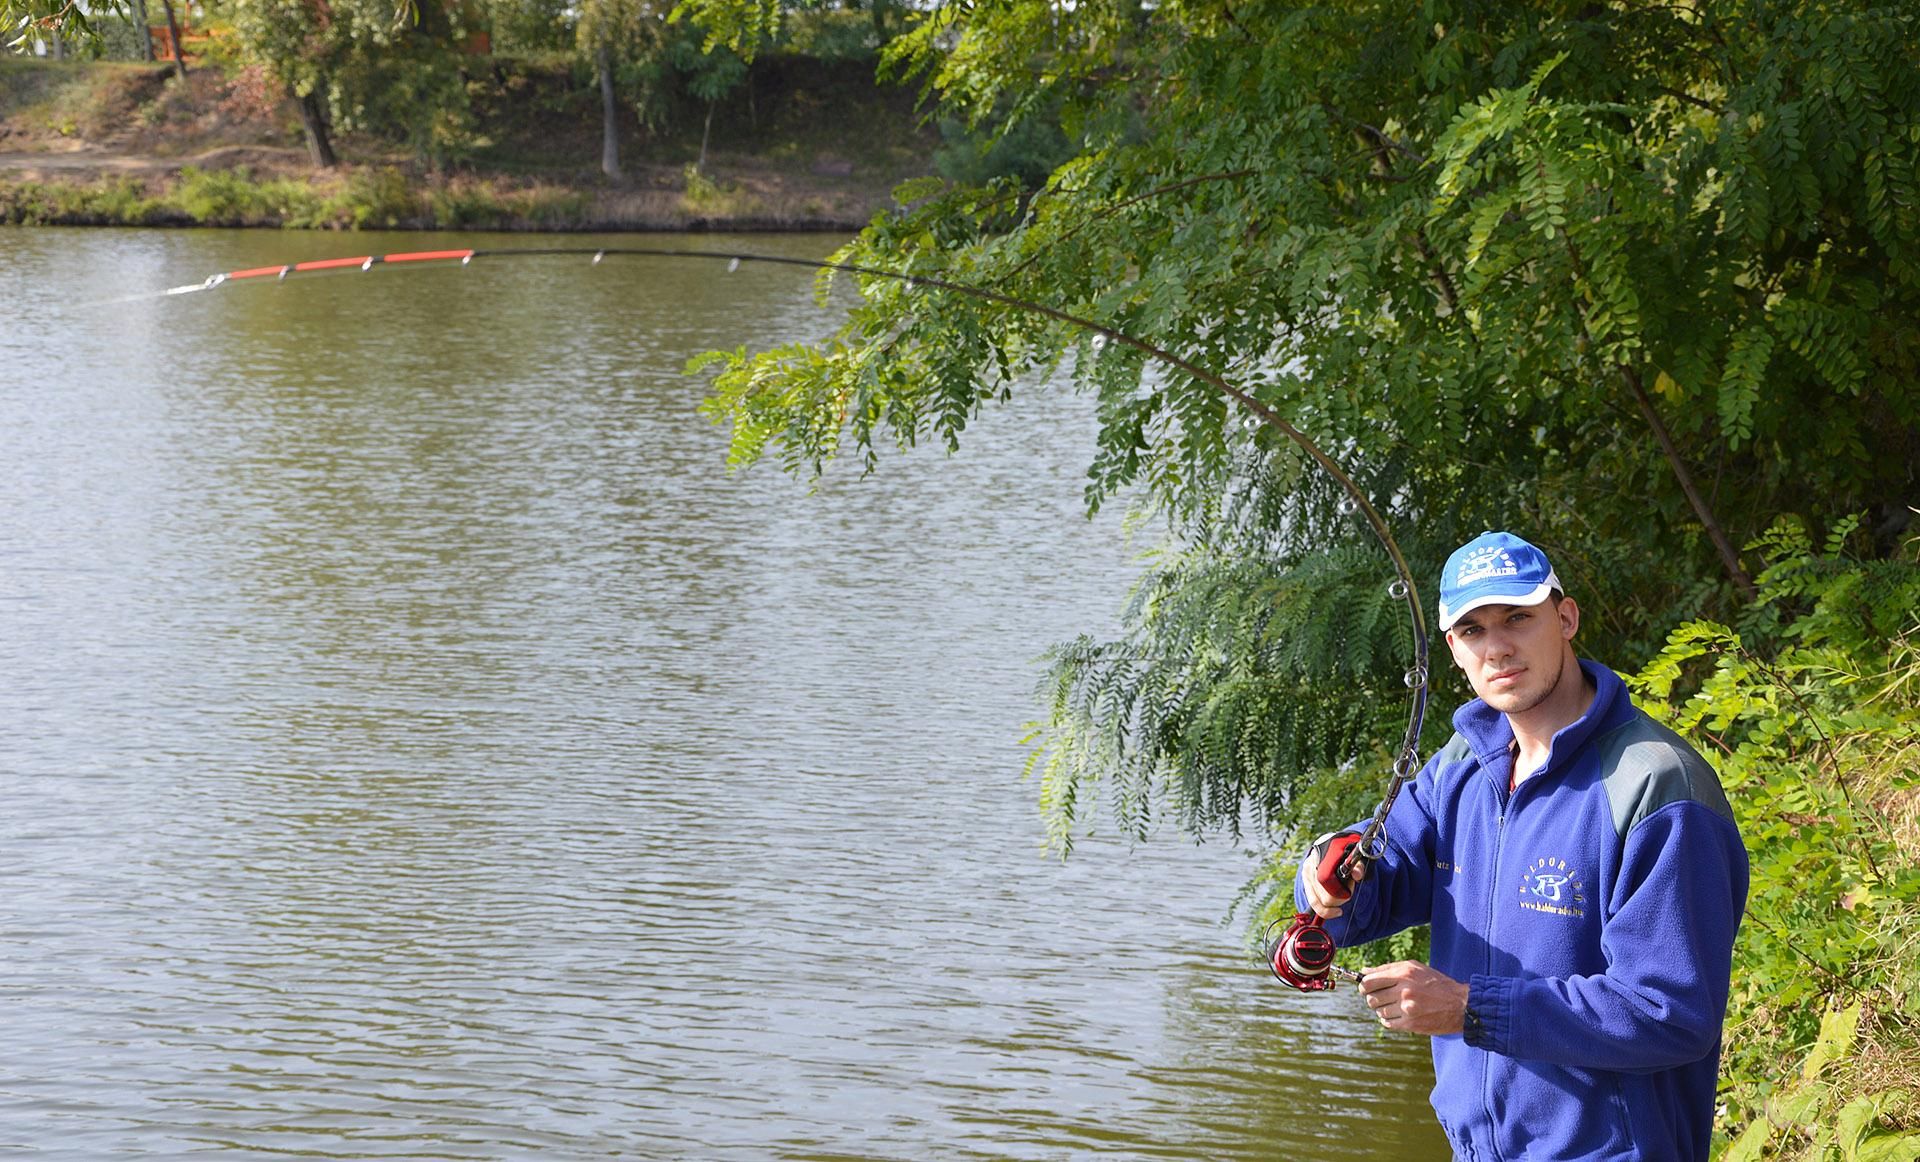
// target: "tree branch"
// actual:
[[1109, 211], [1736, 572], [1690, 99], [1729, 559], [1379, 136]]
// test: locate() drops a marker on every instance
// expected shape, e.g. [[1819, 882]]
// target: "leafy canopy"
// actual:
[[1631, 278]]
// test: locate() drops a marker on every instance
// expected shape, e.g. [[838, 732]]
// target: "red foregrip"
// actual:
[[1329, 872]]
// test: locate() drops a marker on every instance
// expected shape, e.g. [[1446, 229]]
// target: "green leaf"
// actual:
[[1835, 1041], [1800, 1106], [1890, 1148], [1751, 1143]]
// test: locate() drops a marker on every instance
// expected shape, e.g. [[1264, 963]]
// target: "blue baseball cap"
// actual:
[[1493, 569]]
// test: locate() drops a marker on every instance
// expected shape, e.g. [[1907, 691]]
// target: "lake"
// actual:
[[418, 744]]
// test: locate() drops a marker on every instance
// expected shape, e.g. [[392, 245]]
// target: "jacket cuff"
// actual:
[[1488, 1023]]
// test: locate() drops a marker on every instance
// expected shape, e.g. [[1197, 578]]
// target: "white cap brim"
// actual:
[[1533, 596]]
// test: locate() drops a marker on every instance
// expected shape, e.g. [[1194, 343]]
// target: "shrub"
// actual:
[[120, 201], [1812, 716], [379, 198], [221, 197]]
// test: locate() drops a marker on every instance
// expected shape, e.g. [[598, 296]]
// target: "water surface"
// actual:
[[417, 745]]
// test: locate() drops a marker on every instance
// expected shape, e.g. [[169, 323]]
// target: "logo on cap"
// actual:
[[1489, 561]]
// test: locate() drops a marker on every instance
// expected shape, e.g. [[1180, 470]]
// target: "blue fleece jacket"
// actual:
[[1591, 912]]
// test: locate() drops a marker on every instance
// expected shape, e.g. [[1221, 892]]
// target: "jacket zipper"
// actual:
[[1504, 799]]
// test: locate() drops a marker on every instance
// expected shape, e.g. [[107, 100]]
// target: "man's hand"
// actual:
[[1325, 904], [1415, 998]]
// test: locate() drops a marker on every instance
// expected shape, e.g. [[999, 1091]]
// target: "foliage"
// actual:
[[375, 67], [830, 34], [28, 25], [1027, 150], [1631, 279], [706, 73], [123, 201], [635, 37], [523, 28], [1814, 722], [1514, 264], [235, 198]]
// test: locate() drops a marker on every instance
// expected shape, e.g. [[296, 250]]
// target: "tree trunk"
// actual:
[[313, 120], [146, 34], [609, 110], [179, 50], [701, 165]]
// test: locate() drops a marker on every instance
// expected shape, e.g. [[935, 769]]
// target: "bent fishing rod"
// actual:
[[1301, 955]]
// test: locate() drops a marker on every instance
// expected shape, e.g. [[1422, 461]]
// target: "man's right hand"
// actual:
[[1325, 903]]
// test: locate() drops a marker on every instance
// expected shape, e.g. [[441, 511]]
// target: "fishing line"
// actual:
[[1304, 951]]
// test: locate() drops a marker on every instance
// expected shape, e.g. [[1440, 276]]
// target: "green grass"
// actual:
[[376, 199]]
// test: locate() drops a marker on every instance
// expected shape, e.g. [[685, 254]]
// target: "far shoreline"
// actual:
[[387, 198], [116, 144]]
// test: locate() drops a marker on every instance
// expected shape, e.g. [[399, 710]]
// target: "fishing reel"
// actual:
[[1301, 957]]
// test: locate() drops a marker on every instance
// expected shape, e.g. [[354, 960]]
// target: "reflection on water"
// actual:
[[418, 746]]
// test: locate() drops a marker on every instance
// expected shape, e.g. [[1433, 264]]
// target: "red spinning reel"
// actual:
[[1302, 956]]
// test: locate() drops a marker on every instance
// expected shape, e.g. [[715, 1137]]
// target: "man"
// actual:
[[1584, 879]]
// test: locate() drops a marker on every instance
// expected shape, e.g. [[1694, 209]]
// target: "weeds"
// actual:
[[1812, 716]]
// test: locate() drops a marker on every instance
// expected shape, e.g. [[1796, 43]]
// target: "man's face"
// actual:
[[1513, 655]]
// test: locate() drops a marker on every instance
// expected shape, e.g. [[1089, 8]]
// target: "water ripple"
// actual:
[[419, 747]]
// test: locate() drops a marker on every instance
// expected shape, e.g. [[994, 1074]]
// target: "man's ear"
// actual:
[[1569, 614]]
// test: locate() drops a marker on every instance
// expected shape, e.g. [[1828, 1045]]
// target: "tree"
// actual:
[[1634, 277], [709, 72], [622, 41], [361, 64]]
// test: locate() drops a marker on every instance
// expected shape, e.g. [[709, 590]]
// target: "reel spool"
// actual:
[[1302, 956]]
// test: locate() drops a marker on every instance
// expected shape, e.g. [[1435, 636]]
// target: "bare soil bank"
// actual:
[[805, 144]]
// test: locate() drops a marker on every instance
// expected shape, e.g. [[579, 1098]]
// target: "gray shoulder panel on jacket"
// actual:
[[1456, 750], [1648, 767]]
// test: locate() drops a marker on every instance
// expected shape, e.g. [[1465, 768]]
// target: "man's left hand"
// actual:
[[1415, 998]]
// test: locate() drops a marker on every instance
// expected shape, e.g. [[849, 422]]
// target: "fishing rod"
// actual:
[[1301, 956]]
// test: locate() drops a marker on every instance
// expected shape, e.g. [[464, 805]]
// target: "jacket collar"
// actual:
[[1490, 734]]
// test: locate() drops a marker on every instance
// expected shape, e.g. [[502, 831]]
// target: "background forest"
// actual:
[[1638, 281]]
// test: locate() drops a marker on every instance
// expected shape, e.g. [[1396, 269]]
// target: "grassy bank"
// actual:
[[807, 145], [388, 198]]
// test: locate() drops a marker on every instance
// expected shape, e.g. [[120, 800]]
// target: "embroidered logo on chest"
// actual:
[[1549, 885]]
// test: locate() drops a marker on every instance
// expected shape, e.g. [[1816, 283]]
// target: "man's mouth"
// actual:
[[1507, 675]]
